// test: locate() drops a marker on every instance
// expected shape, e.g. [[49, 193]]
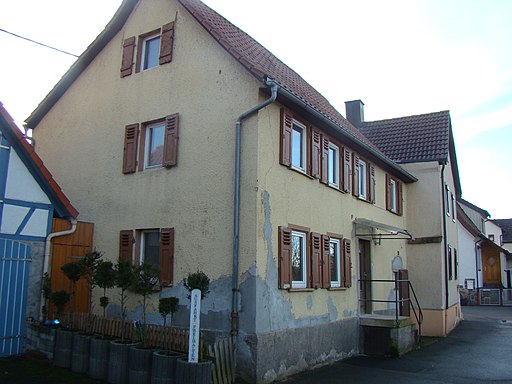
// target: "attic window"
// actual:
[[150, 52], [153, 49]]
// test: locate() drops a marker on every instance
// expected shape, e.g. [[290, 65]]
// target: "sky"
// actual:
[[400, 57]]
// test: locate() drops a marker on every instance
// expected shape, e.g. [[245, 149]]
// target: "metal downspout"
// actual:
[[236, 218], [443, 191], [477, 256], [47, 253]]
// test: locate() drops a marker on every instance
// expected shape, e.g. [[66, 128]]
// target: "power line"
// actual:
[[36, 42]]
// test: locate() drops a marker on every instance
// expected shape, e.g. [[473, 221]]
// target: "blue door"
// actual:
[[14, 267]]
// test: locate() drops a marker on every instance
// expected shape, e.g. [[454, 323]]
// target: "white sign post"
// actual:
[[195, 315]]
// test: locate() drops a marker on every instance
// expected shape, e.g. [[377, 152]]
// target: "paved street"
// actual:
[[478, 351]]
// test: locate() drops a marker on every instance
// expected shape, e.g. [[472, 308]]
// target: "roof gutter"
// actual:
[[406, 176], [236, 215]]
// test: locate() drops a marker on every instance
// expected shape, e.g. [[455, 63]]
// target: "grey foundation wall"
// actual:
[[265, 357]]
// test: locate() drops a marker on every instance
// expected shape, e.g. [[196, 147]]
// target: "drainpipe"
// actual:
[[47, 253], [236, 219], [443, 191], [477, 244]]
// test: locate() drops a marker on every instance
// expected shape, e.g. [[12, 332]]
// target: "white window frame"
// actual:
[[394, 196], [447, 199], [147, 144], [302, 238], [296, 126], [143, 62], [363, 179], [334, 159], [143, 234], [336, 282], [453, 206]]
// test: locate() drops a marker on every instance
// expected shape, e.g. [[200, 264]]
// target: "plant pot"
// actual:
[[163, 370], [63, 348], [139, 368], [117, 372], [193, 373], [80, 354], [98, 358]]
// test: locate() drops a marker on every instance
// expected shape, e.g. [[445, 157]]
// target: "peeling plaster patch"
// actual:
[[309, 302], [330, 358], [333, 311], [348, 313]]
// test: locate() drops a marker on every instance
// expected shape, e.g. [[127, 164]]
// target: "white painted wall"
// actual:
[[466, 254], [21, 184]]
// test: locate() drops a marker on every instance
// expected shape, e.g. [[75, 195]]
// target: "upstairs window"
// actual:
[[363, 179], [155, 135], [333, 166], [299, 146], [394, 195], [156, 145]]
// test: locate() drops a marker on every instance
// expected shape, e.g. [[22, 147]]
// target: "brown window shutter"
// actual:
[[166, 256], [171, 141], [388, 192], [316, 259], [127, 62], [400, 198], [285, 258], [126, 245], [326, 262], [131, 138], [355, 172], [166, 43], [316, 141], [346, 170], [285, 157], [371, 183], [325, 160], [347, 264]]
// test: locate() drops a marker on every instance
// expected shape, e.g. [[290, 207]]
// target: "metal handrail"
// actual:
[[418, 313]]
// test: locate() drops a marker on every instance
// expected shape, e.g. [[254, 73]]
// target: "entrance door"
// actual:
[[365, 275], [14, 267], [491, 268]]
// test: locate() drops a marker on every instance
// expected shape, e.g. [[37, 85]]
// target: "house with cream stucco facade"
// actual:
[[191, 147]]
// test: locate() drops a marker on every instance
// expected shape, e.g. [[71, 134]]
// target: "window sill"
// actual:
[[301, 289]]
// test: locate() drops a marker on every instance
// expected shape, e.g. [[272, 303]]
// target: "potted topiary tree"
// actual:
[[164, 361], [63, 338], [188, 371], [104, 277], [140, 356], [119, 349]]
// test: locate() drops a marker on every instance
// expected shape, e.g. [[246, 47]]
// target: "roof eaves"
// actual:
[[112, 28]]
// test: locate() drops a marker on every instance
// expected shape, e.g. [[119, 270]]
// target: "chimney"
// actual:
[[355, 112]]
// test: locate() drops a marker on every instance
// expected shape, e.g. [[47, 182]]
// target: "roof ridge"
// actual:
[[408, 116]]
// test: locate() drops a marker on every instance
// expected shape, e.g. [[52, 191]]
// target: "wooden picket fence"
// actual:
[[223, 369], [158, 336]]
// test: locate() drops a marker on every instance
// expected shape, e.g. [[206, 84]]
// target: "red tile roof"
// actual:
[[260, 62], [37, 165], [416, 138]]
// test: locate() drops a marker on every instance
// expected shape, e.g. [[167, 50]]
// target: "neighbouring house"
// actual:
[[30, 199], [423, 145], [484, 263], [190, 146]]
